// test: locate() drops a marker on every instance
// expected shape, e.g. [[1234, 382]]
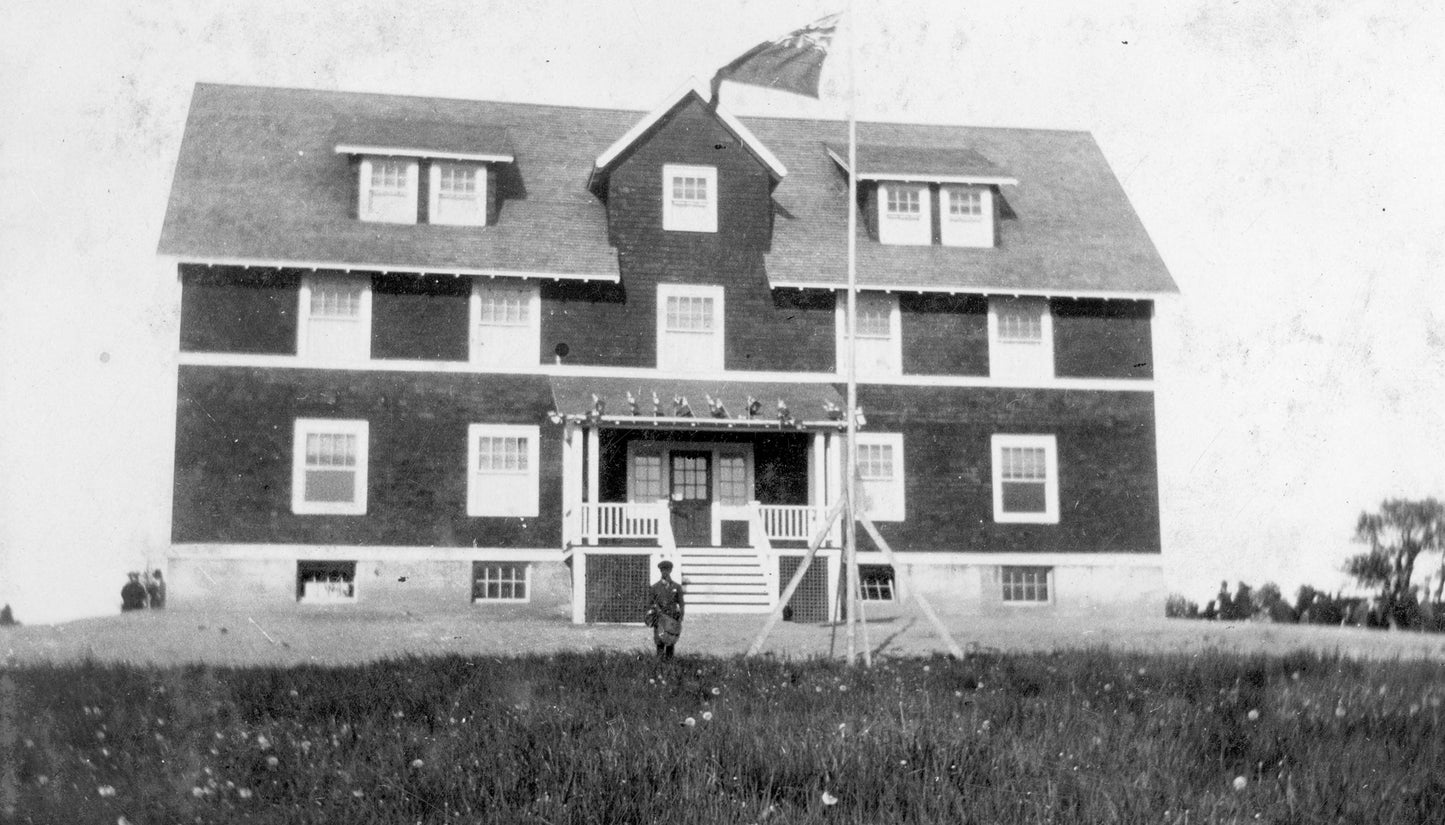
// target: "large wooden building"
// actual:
[[440, 353]]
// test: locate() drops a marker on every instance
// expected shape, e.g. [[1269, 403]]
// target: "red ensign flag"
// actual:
[[791, 62]]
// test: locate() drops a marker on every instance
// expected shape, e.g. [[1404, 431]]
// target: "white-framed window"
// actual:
[[876, 582], [734, 482], [880, 338], [457, 195], [689, 198], [506, 324], [1020, 339], [502, 475], [328, 467], [388, 190], [689, 328], [1026, 585], [501, 581], [967, 216], [904, 214], [880, 475], [335, 318], [1025, 479], [645, 483]]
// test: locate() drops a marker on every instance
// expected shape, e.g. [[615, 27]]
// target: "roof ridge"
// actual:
[[794, 120]]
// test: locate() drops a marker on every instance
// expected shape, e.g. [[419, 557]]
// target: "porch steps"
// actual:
[[724, 580]]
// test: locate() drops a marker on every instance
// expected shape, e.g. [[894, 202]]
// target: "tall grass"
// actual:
[[598, 738]]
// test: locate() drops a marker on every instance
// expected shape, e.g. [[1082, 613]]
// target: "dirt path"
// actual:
[[345, 636]]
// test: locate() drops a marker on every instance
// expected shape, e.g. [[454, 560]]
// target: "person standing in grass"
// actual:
[[133, 594], [664, 611], [156, 590]]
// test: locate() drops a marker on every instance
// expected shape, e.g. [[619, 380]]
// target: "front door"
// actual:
[[691, 498]]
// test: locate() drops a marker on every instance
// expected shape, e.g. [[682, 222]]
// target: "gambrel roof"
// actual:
[[264, 176]]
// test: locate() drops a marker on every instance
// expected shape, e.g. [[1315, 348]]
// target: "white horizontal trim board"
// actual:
[[981, 291], [223, 359], [402, 152], [954, 559], [386, 269], [360, 553]]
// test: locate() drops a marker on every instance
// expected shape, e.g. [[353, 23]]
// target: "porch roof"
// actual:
[[683, 403]]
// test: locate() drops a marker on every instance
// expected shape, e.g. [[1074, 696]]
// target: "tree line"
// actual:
[[1403, 536]]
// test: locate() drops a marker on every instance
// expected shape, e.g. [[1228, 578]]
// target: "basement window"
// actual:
[[500, 581], [876, 581], [326, 582]]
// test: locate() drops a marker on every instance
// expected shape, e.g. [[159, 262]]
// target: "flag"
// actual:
[[791, 62]]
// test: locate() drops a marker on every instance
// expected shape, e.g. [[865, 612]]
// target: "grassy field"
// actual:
[[1078, 736]]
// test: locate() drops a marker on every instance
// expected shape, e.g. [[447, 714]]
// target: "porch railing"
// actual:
[[790, 522], [634, 520]]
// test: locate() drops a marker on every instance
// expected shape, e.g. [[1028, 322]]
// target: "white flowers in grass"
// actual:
[[717, 691], [416, 764], [829, 799], [261, 741], [105, 790], [707, 716], [689, 722], [244, 793], [1253, 715], [1240, 782], [272, 762]]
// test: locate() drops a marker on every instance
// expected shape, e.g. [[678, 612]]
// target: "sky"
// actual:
[[1285, 157]]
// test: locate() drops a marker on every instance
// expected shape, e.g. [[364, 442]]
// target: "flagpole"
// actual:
[[850, 526]]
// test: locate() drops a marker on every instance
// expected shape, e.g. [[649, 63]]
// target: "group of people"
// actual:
[[144, 591]]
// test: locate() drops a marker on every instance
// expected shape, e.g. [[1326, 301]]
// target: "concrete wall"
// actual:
[[1109, 585], [418, 579]]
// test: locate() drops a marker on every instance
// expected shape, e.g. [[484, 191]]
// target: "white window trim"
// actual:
[[305, 426], [895, 350], [905, 230], [1046, 340], [364, 188], [898, 510], [719, 332], [526, 583], [303, 315], [1050, 446], [434, 188], [529, 353], [675, 220], [478, 504], [1048, 583], [969, 231]]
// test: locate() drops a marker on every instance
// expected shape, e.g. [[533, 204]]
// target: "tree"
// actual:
[[1397, 535]]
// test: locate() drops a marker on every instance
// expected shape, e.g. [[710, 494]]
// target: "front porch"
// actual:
[[732, 502]]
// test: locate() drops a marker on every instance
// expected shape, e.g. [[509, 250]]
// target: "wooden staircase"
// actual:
[[725, 580]]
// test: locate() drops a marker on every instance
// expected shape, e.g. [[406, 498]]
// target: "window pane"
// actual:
[[330, 485], [733, 479], [647, 477], [1021, 497]]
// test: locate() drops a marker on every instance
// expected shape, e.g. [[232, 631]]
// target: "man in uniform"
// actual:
[[664, 612]]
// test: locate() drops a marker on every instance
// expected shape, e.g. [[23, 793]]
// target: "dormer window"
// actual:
[[689, 198], [904, 216], [388, 190], [967, 217], [458, 194]]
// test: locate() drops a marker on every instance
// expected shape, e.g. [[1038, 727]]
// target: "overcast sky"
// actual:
[[1286, 158]]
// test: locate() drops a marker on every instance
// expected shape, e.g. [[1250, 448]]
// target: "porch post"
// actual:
[[834, 483], [579, 587], [817, 487], [594, 464], [571, 485]]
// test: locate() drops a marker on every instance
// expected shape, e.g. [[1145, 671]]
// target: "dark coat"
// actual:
[[133, 596]]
